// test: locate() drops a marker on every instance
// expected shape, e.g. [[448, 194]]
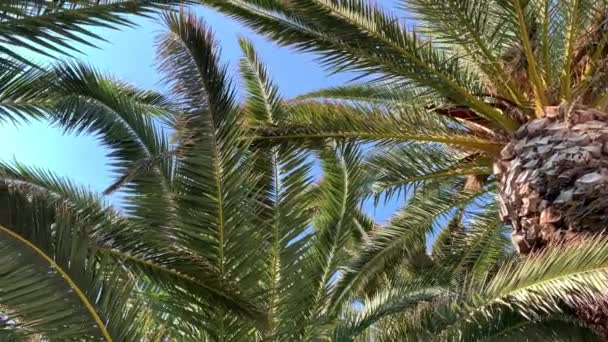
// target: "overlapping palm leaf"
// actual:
[[434, 95], [225, 235], [53, 27]]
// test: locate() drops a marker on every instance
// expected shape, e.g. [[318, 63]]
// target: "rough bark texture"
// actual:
[[553, 182], [553, 178]]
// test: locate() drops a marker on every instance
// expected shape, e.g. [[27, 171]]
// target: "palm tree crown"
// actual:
[[505, 92], [224, 234]]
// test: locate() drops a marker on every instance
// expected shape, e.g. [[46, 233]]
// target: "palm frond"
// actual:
[[391, 301], [517, 11], [311, 122], [128, 243], [407, 166], [86, 102], [385, 95], [342, 32], [263, 102], [475, 248], [21, 94], [535, 289], [561, 329], [81, 100], [51, 27], [285, 220], [339, 194], [284, 182], [208, 148], [405, 233], [213, 184], [54, 275], [478, 27], [577, 15], [26, 273]]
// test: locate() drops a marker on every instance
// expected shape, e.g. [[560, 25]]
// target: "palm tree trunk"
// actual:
[[553, 178], [553, 187]]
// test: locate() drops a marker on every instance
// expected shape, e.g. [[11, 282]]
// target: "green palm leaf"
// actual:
[[338, 195], [406, 232], [382, 305], [474, 249], [213, 184], [51, 275], [478, 27], [20, 94], [400, 168], [521, 295], [50, 27], [132, 245], [312, 122], [342, 33], [386, 95]]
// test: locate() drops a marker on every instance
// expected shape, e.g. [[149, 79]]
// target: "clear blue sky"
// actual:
[[129, 54]]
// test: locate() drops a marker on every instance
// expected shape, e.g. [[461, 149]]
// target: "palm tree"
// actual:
[[225, 236], [219, 237], [510, 93]]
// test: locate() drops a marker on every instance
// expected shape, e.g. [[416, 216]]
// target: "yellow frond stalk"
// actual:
[[83, 298], [566, 92], [538, 84]]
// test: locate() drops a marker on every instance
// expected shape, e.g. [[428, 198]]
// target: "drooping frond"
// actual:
[[121, 117], [208, 148], [399, 168], [405, 233], [55, 283], [142, 251], [52, 27], [342, 32], [20, 90], [312, 122]]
